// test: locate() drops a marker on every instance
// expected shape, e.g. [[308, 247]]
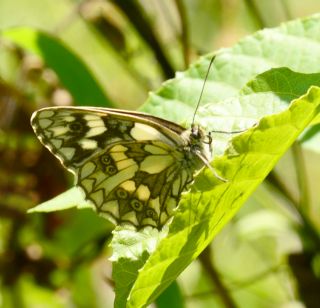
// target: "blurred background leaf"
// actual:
[[120, 50]]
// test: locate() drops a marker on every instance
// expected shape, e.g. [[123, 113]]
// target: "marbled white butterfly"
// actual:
[[132, 166]]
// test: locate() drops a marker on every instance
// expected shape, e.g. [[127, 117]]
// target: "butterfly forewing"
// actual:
[[75, 134], [133, 167]]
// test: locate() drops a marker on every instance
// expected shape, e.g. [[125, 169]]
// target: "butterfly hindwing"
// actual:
[[137, 183]]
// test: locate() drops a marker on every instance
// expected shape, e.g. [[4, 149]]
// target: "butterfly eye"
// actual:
[[122, 194], [75, 126], [136, 205], [111, 170], [105, 159]]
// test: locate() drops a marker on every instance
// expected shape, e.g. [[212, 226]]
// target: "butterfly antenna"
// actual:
[[229, 133], [204, 83]]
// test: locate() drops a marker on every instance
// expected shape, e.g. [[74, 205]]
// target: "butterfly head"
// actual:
[[198, 142]]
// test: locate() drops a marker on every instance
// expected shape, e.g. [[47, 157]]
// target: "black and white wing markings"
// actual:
[[136, 183], [132, 166], [73, 135]]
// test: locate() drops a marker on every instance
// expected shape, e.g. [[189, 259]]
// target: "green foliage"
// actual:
[[84, 88], [248, 160], [267, 85], [69, 199], [130, 251], [209, 206], [294, 45], [171, 297]]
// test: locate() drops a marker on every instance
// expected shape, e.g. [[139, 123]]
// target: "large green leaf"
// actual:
[[210, 205], [233, 106], [295, 45]]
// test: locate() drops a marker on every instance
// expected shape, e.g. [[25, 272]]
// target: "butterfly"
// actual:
[[131, 166]]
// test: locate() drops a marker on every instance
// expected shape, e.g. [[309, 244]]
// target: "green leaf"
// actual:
[[261, 96], [311, 137], [210, 205], [72, 71], [171, 297], [66, 238], [295, 45], [231, 108], [74, 197], [83, 292], [284, 83], [269, 93], [130, 251]]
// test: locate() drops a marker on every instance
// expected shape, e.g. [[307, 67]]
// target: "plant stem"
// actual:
[[274, 180], [286, 10], [137, 17], [184, 31], [301, 173], [239, 285], [255, 13], [205, 259]]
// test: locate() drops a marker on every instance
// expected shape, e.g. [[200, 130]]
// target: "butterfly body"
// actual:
[[131, 166]]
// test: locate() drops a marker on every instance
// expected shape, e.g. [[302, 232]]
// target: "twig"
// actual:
[[184, 31], [239, 285], [137, 17], [205, 259], [255, 13], [286, 9], [301, 173], [307, 225]]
